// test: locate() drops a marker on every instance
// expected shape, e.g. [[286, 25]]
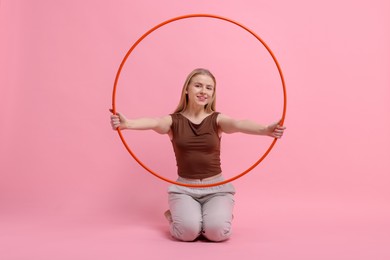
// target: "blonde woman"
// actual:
[[195, 130]]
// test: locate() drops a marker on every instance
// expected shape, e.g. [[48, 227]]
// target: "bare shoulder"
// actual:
[[227, 124], [164, 125], [222, 118], [167, 118], [166, 121]]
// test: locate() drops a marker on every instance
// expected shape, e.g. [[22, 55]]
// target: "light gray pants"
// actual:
[[207, 211]]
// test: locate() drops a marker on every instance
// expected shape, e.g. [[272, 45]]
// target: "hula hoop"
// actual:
[[186, 17]]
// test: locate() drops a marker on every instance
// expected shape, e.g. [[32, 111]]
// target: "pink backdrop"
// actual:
[[69, 190]]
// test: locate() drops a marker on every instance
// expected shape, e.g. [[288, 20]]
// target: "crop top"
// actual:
[[196, 146]]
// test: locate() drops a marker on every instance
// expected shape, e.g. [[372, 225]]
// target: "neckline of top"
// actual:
[[200, 121]]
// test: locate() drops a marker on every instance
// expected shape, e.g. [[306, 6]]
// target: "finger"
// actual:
[[112, 111], [278, 133]]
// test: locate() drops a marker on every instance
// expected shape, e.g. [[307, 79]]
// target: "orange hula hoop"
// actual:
[[186, 17]]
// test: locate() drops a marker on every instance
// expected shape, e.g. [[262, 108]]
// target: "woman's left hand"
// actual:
[[275, 130]]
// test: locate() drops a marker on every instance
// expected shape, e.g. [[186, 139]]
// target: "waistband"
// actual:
[[210, 180], [227, 188]]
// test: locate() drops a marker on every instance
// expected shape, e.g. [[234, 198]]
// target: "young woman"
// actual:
[[195, 130]]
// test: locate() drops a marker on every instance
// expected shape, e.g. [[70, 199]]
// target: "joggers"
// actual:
[[196, 211]]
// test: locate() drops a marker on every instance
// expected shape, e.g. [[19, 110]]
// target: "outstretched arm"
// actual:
[[229, 125], [161, 125]]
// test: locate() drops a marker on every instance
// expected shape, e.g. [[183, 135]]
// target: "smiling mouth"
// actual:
[[202, 98]]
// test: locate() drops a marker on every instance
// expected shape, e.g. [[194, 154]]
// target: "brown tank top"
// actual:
[[196, 146]]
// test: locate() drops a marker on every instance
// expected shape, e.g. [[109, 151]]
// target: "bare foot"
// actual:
[[168, 215]]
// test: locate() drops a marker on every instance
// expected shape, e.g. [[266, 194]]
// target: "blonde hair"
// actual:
[[210, 107]]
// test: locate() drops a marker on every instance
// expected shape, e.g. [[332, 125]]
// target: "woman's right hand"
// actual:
[[118, 121]]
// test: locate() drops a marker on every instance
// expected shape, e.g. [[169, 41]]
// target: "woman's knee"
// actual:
[[217, 231], [186, 229]]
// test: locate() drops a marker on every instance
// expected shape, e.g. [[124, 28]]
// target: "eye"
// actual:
[[210, 88]]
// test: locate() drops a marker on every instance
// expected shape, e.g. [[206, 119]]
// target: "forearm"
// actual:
[[229, 126], [251, 127], [161, 125], [141, 124]]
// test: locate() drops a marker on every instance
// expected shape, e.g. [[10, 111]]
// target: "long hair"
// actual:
[[209, 107]]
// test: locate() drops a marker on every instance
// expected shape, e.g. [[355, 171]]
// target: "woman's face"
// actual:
[[200, 90]]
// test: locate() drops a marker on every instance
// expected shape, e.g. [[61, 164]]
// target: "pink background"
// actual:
[[69, 189]]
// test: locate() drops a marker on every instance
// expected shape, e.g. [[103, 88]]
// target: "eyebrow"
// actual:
[[202, 84]]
